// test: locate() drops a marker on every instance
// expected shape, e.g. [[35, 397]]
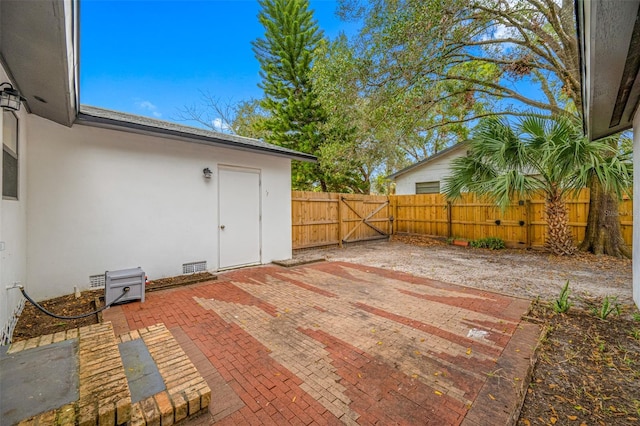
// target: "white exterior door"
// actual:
[[239, 226]]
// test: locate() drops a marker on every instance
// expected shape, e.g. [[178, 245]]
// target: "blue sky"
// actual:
[[153, 57]]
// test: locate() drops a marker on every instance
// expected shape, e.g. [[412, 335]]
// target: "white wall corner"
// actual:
[[636, 210]]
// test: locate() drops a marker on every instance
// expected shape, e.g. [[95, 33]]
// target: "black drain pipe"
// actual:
[[125, 290]]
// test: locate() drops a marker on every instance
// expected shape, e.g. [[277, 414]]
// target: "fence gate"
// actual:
[[324, 219], [364, 218]]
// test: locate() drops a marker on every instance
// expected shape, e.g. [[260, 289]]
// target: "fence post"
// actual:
[[527, 219], [394, 211], [340, 220], [449, 219]]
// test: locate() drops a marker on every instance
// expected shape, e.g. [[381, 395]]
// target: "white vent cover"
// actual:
[[193, 267], [96, 281]]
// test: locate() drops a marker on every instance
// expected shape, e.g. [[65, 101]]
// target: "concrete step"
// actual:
[[186, 394], [103, 380]]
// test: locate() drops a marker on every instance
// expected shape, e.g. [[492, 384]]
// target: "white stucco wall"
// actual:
[[102, 199], [636, 210], [432, 171], [13, 234]]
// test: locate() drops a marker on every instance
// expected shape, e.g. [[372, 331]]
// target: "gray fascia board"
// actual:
[[123, 126]]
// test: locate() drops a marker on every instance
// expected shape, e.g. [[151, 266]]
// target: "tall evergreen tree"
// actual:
[[286, 54]]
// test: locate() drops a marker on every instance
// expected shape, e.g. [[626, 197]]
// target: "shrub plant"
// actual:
[[562, 304], [609, 305], [492, 243]]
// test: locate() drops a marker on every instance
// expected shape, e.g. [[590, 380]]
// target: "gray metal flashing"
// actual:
[[427, 160], [120, 121]]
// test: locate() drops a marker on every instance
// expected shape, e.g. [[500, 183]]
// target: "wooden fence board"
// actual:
[[322, 219]]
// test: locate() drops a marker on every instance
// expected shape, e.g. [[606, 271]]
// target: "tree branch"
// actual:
[[505, 92]]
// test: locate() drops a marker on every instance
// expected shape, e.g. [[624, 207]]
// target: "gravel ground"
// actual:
[[522, 273]]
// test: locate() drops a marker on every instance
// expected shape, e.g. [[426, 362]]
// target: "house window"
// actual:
[[428, 187], [9, 155]]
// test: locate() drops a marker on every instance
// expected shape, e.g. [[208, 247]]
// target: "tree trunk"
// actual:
[[603, 234], [559, 239]]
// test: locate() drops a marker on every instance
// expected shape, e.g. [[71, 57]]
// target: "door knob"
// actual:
[[222, 227]]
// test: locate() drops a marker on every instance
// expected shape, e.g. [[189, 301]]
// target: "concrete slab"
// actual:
[[37, 380], [143, 376], [298, 260]]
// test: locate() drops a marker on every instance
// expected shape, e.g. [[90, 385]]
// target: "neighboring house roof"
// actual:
[[609, 38], [428, 160], [99, 117]]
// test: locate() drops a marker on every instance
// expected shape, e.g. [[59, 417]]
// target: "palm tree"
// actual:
[[537, 154]]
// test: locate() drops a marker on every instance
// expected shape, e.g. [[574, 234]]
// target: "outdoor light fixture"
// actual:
[[207, 173], [10, 99]]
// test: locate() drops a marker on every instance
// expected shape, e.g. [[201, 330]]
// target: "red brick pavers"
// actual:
[[333, 343]]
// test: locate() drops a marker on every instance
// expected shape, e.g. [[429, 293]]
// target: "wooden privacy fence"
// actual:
[[323, 219]]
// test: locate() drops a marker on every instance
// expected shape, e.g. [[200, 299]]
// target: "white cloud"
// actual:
[[500, 32], [150, 107], [219, 125], [496, 32]]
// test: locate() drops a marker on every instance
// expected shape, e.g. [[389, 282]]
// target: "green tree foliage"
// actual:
[[355, 143], [286, 54], [415, 44], [435, 67], [375, 129], [248, 119], [537, 154]]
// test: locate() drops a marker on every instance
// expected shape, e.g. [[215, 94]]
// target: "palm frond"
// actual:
[[536, 153], [466, 174]]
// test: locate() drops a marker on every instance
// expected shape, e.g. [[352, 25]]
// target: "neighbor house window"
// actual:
[[9, 155], [428, 187]]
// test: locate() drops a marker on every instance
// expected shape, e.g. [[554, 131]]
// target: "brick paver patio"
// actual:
[[334, 343]]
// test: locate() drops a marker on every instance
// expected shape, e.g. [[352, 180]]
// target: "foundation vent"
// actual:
[[96, 281], [193, 267]]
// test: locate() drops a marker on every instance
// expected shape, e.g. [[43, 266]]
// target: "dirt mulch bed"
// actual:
[[179, 281], [34, 323], [588, 371], [420, 240]]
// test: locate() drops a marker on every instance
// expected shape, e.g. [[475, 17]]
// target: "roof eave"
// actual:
[[106, 123], [38, 49], [609, 39]]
